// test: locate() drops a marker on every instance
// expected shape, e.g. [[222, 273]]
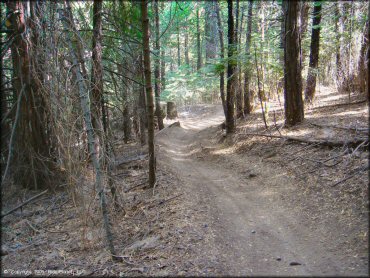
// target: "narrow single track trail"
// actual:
[[252, 229]]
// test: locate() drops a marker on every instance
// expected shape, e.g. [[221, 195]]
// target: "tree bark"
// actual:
[[31, 142], [314, 52], [294, 112], [157, 88], [149, 92], [222, 56], [230, 98], [247, 92], [97, 70]]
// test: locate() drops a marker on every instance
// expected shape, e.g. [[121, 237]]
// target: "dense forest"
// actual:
[[184, 137]]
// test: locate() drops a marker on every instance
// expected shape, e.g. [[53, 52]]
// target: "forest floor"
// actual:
[[245, 205]]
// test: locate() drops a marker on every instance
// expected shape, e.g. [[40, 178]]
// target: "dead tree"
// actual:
[[294, 112], [149, 91], [85, 106]]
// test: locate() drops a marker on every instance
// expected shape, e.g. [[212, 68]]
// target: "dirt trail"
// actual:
[[251, 230]]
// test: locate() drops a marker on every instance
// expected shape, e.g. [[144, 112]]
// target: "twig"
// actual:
[[11, 140], [25, 203], [135, 186], [165, 201], [349, 177]]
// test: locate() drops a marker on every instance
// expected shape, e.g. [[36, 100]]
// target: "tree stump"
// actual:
[[171, 110]]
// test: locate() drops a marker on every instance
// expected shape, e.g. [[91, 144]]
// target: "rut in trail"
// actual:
[[254, 232]]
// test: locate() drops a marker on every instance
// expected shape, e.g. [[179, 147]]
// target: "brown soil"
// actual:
[[243, 205]]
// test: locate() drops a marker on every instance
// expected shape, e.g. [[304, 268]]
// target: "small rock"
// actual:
[[252, 175], [295, 263], [205, 225], [278, 259], [253, 232]]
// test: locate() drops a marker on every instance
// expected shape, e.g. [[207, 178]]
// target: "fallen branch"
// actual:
[[349, 177], [329, 143], [339, 104], [165, 201], [24, 203], [130, 159], [135, 186], [171, 125], [340, 127]]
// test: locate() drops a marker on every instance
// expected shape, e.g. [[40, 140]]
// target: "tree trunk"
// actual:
[[362, 66], [84, 99], [303, 14], [149, 92], [210, 30], [199, 50], [247, 91], [187, 60], [157, 77], [97, 70], [314, 52], [31, 142], [294, 112], [142, 106], [178, 46], [337, 42], [222, 56], [238, 99], [230, 90], [163, 69]]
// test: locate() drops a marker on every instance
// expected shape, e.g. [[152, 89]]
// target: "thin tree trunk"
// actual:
[[187, 60], [247, 91], [222, 56], [314, 53], [178, 46], [157, 88], [362, 67], [230, 121], [294, 112], [337, 42], [142, 106], [238, 99], [97, 70], [199, 50], [210, 30], [304, 9], [84, 99], [163, 69], [149, 92]]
